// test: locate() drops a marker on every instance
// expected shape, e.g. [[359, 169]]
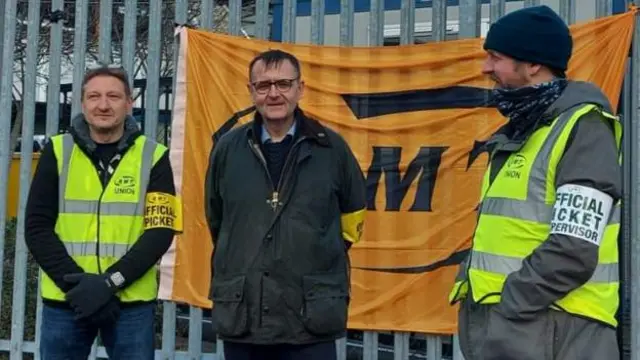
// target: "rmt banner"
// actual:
[[416, 118], [581, 212]]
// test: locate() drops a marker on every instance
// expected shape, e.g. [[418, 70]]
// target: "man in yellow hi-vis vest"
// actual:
[[541, 279], [101, 212]]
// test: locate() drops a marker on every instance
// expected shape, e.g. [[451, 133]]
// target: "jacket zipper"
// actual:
[[103, 179], [276, 189], [274, 201]]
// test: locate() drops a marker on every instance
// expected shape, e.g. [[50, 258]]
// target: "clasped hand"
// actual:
[[92, 297]]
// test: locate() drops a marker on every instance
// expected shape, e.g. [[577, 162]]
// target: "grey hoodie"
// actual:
[[80, 132]]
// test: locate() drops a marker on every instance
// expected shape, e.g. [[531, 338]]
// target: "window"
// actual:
[[423, 32]]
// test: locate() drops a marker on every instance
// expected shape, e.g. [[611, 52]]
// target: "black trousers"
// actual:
[[319, 351]]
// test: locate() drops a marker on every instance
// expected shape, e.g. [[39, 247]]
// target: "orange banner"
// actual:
[[413, 116]]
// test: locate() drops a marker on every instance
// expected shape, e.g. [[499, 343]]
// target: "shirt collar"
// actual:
[[267, 138]]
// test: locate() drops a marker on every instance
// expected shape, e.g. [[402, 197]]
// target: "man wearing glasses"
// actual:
[[285, 199], [100, 214]]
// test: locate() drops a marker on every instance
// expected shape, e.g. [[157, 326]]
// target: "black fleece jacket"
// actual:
[[42, 212]]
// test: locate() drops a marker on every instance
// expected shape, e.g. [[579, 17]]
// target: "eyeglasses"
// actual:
[[282, 85]]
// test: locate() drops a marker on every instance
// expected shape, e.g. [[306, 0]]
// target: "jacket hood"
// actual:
[[80, 131], [576, 93]]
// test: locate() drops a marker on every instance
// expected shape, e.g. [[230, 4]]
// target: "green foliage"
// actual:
[[7, 287]]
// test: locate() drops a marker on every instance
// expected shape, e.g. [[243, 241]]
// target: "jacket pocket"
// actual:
[[513, 338], [326, 301], [230, 312]]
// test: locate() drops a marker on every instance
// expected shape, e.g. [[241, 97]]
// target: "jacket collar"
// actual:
[[80, 132], [305, 126]]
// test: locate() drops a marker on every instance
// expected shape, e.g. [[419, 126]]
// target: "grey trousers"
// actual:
[[485, 334]]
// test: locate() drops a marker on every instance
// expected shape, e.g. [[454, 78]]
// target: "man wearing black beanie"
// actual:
[[541, 280]]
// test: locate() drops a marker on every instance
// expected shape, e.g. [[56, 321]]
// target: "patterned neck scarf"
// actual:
[[524, 106]]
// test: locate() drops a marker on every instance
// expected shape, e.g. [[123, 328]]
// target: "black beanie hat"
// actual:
[[533, 34]]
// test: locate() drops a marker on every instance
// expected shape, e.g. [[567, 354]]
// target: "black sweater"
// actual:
[[42, 212]]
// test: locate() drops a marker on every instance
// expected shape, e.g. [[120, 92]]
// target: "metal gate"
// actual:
[[48, 44]]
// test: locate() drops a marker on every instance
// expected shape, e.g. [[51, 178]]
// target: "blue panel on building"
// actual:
[[332, 7]]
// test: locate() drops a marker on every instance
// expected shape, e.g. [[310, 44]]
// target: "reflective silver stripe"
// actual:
[[68, 206], [505, 265], [67, 149], [520, 209], [145, 171], [535, 208], [529, 210], [106, 208], [89, 249]]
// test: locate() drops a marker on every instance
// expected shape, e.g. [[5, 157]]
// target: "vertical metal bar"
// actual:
[[6, 87], [469, 19], [262, 19], [603, 8], [104, 47], [346, 22], [634, 201], [317, 22], [407, 21], [2, 6], [457, 353], [206, 13], [289, 11], [528, 3], [497, 10], [220, 349], [94, 350], [400, 346], [153, 70], [180, 18], [568, 11], [26, 155], [235, 16], [36, 356], [129, 38], [79, 52], [434, 347], [195, 332], [376, 23], [628, 159], [370, 346], [168, 329], [53, 83], [341, 348], [439, 20]]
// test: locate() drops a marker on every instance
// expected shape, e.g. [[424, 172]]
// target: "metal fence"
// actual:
[[45, 42]]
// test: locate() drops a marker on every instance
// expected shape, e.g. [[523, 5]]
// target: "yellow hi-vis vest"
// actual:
[[98, 226], [514, 219]]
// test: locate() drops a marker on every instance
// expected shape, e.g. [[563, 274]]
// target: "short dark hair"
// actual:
[[117, 72], [558, 73], [275, 57]]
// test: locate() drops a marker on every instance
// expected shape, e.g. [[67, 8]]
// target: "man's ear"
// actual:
[[534, 69], [130, 105]]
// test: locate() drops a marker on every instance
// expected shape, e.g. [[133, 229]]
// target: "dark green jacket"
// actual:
[[280, 264]]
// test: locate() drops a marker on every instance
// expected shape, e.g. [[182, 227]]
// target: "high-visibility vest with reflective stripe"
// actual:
[[98, 227], [514, 219]]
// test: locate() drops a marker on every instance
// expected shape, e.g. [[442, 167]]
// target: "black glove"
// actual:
[[107, 315], [90, 293]]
